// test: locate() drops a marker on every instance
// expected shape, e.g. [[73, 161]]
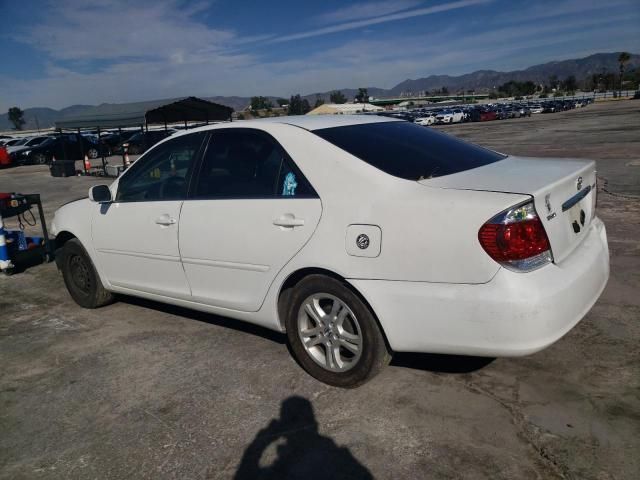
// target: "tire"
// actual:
[[358, 328], [80, 277], [92, 153], [40, 159]]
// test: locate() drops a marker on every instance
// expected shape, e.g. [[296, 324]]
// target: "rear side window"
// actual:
[[408, 151]]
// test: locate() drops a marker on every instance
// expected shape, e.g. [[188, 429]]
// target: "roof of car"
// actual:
[[317, 122]]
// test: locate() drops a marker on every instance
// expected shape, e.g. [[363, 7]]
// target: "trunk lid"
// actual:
[[563, 191]]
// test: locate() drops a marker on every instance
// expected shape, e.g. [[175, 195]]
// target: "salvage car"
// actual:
[[358, 236], [69, 146]]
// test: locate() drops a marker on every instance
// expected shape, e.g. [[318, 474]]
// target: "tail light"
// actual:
[[516, 239]]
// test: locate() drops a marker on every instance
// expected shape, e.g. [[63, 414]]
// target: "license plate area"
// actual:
[[578, 215]]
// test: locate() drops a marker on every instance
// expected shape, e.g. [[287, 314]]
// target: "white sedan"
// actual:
[[427, 119], [450, 116], [358, 236]]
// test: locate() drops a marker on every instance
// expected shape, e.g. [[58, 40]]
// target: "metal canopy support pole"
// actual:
[[100, 146], [84, 165], [64, 146]]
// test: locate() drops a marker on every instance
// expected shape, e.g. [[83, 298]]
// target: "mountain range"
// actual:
[[481, 80]]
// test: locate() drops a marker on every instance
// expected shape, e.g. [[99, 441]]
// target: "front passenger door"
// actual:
[[136, 236]]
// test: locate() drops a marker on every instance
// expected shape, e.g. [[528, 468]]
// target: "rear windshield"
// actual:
[[408, 151]]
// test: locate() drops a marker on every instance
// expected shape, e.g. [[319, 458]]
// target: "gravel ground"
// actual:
[[143, 390]]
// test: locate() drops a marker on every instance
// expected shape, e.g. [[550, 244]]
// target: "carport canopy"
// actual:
[[189, 109]]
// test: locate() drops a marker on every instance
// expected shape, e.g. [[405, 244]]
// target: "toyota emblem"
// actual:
[[362, 241]]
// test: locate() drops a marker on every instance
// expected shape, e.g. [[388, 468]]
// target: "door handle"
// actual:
[[165, 220], [288, 220]]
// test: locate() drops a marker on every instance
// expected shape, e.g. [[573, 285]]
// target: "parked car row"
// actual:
[[482, 113], [42, 149]]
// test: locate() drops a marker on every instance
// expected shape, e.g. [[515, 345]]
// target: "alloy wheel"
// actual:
[[330, 332]]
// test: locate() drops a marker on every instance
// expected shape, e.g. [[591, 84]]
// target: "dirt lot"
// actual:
[[142, 390]]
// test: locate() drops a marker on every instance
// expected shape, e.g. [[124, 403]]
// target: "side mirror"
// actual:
[[100, 194]]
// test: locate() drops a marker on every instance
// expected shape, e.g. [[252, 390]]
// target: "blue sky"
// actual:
[[58, 53]]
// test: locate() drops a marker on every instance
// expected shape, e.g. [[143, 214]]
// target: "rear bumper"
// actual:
[[514, 314]]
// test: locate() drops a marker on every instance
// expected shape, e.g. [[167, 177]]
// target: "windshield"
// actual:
[[408, 151]]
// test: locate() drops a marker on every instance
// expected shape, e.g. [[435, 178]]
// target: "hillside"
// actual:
[[581, 68], [479, 80]]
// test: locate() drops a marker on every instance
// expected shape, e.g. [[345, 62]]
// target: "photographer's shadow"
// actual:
[[300, 451]]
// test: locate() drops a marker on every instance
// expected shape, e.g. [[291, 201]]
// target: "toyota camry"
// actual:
[[358, 236]]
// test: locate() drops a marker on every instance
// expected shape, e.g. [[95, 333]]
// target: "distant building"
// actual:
[[344, 109]]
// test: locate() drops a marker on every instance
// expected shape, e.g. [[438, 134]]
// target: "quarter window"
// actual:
[[247, 163], [163, 173]]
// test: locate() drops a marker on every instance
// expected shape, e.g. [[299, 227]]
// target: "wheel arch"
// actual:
[[284, 294], [61, 238]]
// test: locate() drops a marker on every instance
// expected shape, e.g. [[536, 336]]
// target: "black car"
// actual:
[[62, 147], [114, 139], [142, 141]]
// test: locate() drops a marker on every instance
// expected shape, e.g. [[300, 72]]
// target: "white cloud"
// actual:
[[359, 11], [95, 30], [342, 27]]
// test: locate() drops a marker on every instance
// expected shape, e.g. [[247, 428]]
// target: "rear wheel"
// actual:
[[333, 334], [92, 153], [81, 278], [40, 159]]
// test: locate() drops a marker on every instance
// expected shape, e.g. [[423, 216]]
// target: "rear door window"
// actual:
[[248, 163], [407, 150]]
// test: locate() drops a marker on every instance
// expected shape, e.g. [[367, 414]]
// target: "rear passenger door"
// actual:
[[250, 211]]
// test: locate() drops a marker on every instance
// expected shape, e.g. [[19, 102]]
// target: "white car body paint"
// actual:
[[426, 120], [432, 286]]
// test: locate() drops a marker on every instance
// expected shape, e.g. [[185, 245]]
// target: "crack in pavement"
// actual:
[[526, 431]]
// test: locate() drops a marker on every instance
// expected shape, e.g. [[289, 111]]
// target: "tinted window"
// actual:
[[246, 163], [162, 174], [407, 150]]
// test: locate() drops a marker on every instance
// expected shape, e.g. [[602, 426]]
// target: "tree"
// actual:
[[16, 116], [362, 96], [444, 90], [553, 81], [319, 101], [282, 102], [513, 88], [260, 103], [337, 97], [306, 108], [623, 58], [298, 105], [569, 84]]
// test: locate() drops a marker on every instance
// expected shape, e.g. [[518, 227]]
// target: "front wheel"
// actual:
[[81, 278], [333, 334], [92, 153]]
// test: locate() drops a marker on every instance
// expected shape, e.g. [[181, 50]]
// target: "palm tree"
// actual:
[[623, 58]]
